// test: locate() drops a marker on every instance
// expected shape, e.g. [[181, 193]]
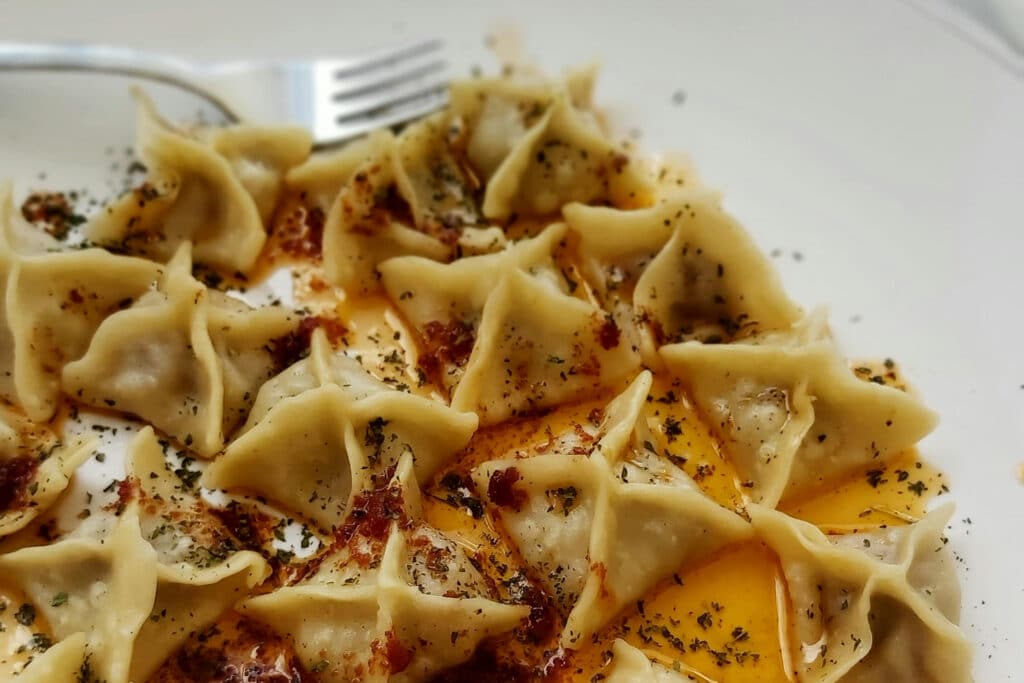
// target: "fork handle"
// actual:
[[104, 59]]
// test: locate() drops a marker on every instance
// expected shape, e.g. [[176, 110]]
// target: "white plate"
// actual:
[[880, 143]]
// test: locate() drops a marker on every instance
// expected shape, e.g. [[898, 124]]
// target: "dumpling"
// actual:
[[794, 416], [564, 157], [56, 303], [35, 469], [201, 571], [493, 114], [65, 662], [143, 587], [871, 607], [320, 177], [206, 353], [260, 158], [323, 429], [214, 190], [630, 665], [448, 311], [601, 526], [106, 591], [689, 271], [370, 220], [394, 600], [538, 347], [52, 304], [501, 335]]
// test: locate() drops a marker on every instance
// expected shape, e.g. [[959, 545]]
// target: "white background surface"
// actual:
[[872, 138]]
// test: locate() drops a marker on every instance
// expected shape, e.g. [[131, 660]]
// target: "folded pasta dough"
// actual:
[[201, 572], [16, 239], [501, 335], [684, 269], [630, 665], [393, 600], [107, 589], [793, 416], [603, 527], [52, 305], [320, 177], [214, 189], [41, 466], [537, 347], [493, 114], [65, 662], [871, 607], [206, 353], [260, 158], [138, 592], [324, 428], [563, 158], [409, 197]]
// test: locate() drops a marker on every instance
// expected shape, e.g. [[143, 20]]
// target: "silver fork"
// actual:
[[336, 99]]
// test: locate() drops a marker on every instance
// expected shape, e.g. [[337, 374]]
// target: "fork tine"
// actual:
[[376, 80], [383, 58], [364, 105], [348, 128]]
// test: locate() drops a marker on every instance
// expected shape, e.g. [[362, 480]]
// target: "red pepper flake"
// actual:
[[53, 211], [601, 571], [15, 475], [445, 343], [396, 656], [372, 513], [302, 232], [608, 333], [588, 368], [542, 622], [502, 491], [294, 346], [619, 162], [127, 491]]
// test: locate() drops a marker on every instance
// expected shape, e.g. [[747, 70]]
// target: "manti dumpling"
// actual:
[[871, 607], [683, 269], [52, 303], [601, 525], [141, 588], [35, 468], [564, 157], [408, 196], [187, 359], [492, 114], [215, 189], [793, 416], [500, 332], [393, 600], [324, 428]]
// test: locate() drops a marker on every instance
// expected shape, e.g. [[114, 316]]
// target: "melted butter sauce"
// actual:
[[890, 494], [679, 430], [717, 621]]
